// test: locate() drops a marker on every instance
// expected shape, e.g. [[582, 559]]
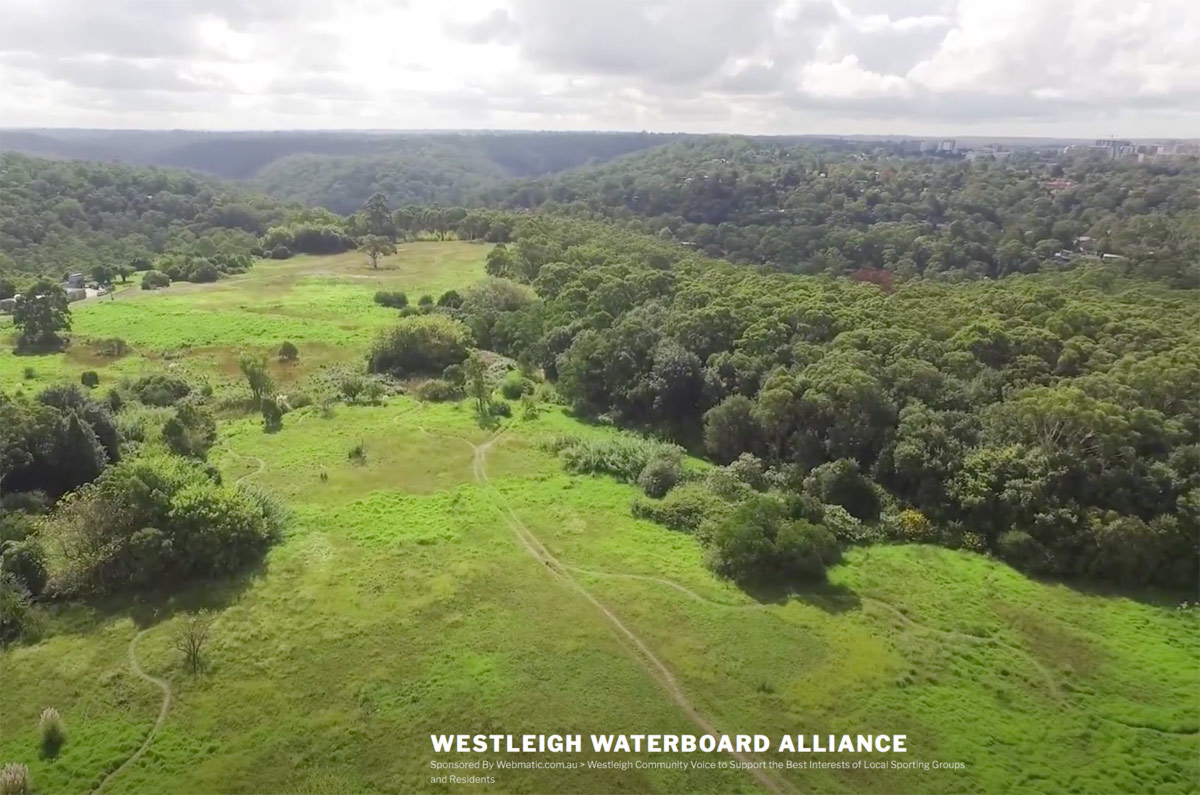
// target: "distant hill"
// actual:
[[340, 170]]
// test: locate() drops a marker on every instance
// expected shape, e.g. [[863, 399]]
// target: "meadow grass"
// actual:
[[402, 602]]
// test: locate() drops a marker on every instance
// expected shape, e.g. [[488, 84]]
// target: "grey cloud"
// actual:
[[673, 41], [497, 27], [116, 75]]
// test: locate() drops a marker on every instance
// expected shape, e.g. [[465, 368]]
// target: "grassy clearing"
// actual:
[[323, 304], [402, 603]]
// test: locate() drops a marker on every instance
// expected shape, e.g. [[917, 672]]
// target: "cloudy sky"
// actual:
[[1002, 67]]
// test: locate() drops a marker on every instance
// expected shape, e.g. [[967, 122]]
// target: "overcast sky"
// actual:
[[1000, 67]]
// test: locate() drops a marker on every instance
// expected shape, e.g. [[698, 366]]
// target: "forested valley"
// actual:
[[305, 449]]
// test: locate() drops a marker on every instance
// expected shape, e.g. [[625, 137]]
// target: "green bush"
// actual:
[[1023, 551], [191, 432], [52, 730], [660, 475], [154, 280], [436, 390], [515, 385], [684, 509], [840, 483], [272, 414], [111, 347], [159, 389], [757, 542], [280, 251], [288, 352], [154, 521], [90, 379], [391, 298], [16, 612], [450, 299], [25, 560], [500, 408], [623, 457], [421, 345]]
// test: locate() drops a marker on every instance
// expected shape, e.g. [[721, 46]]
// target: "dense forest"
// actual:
[[1049, 418], [57, 217], [813, 209], [340, 171]]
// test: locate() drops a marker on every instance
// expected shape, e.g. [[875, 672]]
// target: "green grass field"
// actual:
[[458, 581]]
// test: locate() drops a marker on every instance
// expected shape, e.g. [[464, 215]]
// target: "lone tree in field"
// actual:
[[477, 384], [258, 378], [376, 217], [40, 314], [190, 638], [375, 246]]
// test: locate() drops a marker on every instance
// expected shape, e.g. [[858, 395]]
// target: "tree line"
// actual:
[[808, 208], [1049, 418]]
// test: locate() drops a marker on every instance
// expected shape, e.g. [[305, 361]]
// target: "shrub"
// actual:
[[288, 352], [840, 483], [426, 344], [29, 373], [358, 453], [450, 299], [749, 469], [52, 730], [159, 389], [392, 298], [373, 391], [16, 612], [914, 526], [191, 432], [154, 280], [90, 379], [845, 528], [280, 251], [530, 408], [272, 414], [436, 390], [1023, 551], [684, 509], [515, 385], [190, 638], [258, 377], [500, 408], [425, 300], [623, 457], [660, 475], [757, 542], [110, 347], [299, 400], [351, 387], [14, 780], [25, 560], [153, 521]]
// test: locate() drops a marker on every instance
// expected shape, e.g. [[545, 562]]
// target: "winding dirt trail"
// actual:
[[162, 711], [261, 464], [642, 652]]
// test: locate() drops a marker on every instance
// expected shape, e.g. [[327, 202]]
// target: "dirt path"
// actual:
[[647, 658], [261, 464], [162, 711]]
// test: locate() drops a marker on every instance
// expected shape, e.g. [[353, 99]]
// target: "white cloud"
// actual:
[[1059, 67]]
